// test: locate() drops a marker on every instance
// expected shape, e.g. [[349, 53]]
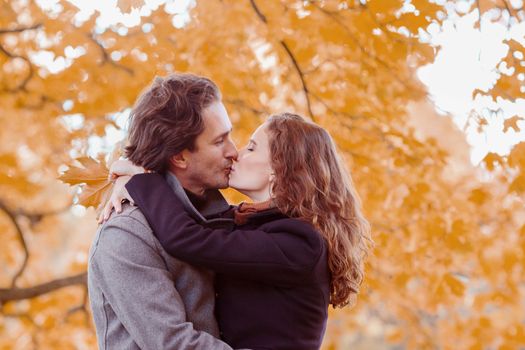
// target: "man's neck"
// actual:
[[199, 202], [188, 185], [209, 205]]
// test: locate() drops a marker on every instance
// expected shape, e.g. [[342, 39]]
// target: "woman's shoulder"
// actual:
[[297, 237], [274, 220], [283, 219], [285, 223]]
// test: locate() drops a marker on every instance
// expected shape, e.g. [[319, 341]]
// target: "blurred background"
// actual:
[[425, 99]]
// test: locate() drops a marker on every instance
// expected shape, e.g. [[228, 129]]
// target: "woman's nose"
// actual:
[[242, 153]]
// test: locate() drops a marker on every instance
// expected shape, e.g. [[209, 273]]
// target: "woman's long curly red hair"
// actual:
[[311, 183]]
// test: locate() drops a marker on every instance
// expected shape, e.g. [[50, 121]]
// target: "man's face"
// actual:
[[209, 165]]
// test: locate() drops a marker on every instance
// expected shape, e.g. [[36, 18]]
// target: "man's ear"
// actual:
[[180, 160]]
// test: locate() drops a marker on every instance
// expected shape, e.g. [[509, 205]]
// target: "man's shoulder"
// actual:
[[125, 230], [130, 215]]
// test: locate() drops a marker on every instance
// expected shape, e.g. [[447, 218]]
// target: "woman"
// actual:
[[298, 248]]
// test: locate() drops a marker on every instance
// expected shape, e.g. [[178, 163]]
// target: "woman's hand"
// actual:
[[118, 194], [123, 167]]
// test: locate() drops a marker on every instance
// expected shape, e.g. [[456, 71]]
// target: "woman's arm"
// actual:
[[119, 174], [285, 253]]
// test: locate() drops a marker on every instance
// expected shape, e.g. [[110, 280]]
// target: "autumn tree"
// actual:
[[447, 268]]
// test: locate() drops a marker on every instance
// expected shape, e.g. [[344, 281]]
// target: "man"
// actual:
[[141, 297]]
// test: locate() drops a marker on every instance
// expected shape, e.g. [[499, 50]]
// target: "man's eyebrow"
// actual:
[[223, 134]]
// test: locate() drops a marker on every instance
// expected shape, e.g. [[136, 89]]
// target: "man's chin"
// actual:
[[223, 184]]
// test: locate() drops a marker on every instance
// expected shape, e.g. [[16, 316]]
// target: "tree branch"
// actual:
[[43, 100], [511, 15], [258, 12], [11, 294], [106, 58], [22, 85], [242, 104], [35, 217], [82, 307], [5, 52], [22, 240], [478, 5], [292, 58], [386, 30], [20, 29], [301, 76]]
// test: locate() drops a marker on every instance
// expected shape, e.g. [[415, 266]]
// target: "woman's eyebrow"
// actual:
[[252, 141]]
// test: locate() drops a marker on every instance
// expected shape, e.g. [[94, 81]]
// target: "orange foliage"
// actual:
[[447, 270]]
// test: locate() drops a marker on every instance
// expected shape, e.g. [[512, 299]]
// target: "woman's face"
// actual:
[[251, 173]]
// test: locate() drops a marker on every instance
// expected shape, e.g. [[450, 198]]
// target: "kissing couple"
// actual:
[[174, 266]]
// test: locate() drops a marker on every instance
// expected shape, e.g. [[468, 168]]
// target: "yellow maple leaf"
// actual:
[[95, 195], [478, 92], [514, 45], [507, 85], [91, 172], [128, 5], [518, 185], [414, 21], [491, 159], [516, 157], [426, 7], [93, 176], [482, 122], [512, 123], [479, 196]]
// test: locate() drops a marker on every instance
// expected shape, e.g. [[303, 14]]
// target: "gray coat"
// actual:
[[141, 297]]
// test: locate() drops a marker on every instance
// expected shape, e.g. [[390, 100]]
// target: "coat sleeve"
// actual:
[[134, 281], [285, 253]]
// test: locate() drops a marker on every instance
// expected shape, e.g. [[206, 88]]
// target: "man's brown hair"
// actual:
[[167, 118]]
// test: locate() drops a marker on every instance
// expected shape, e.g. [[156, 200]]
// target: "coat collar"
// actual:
[[212, 205]]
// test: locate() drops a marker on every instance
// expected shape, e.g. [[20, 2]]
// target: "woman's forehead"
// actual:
[[260, 133]]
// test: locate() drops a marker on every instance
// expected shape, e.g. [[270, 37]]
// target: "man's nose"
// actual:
[[231, 152]]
